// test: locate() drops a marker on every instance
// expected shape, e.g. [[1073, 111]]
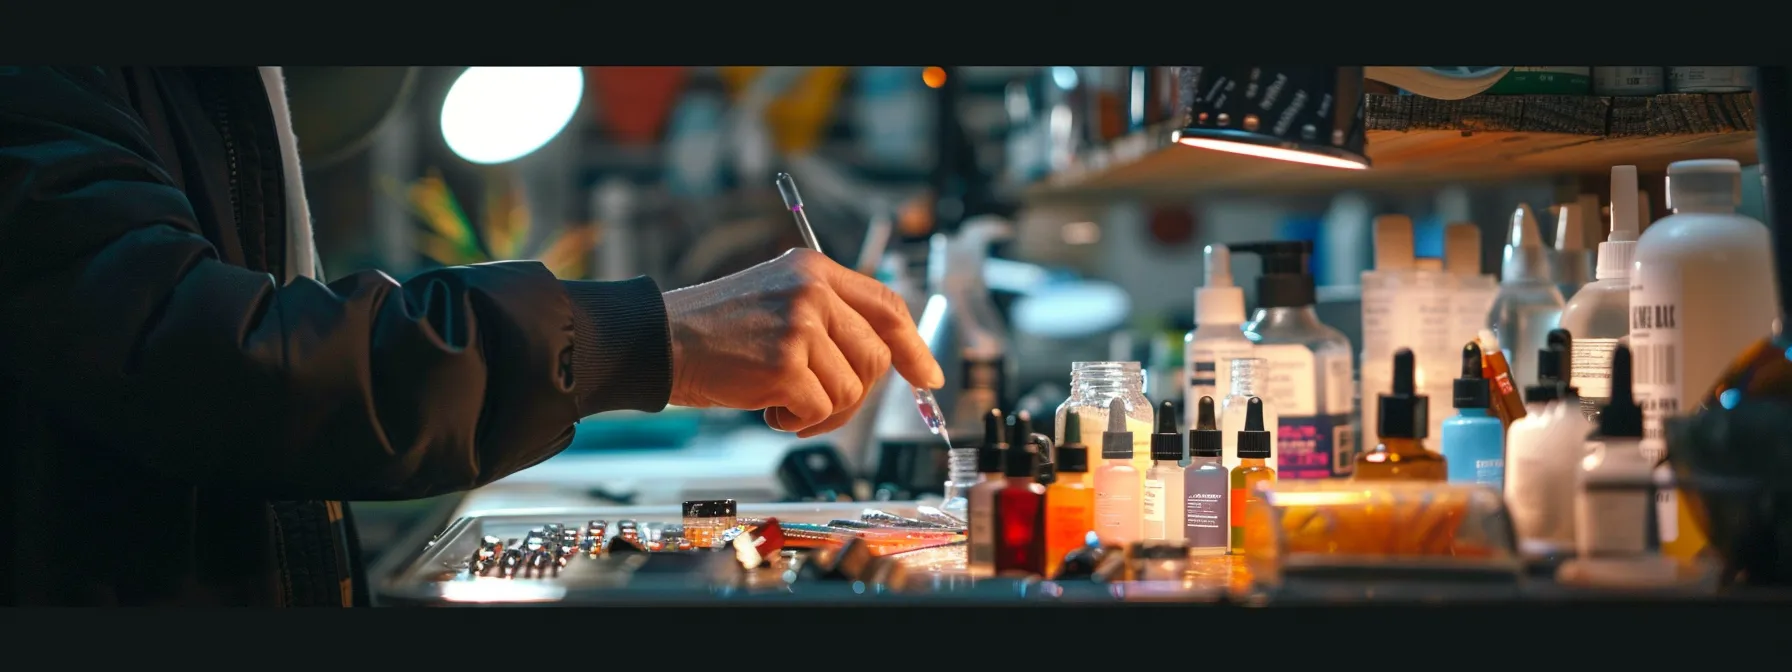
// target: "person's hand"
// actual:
[[799, 336]]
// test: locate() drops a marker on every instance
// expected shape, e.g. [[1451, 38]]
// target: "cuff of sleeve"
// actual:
[[622, 346]]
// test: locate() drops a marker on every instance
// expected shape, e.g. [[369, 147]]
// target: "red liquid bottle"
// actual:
[[1020, 515]]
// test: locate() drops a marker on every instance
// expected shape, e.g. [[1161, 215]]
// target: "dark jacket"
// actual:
[[178, 427]]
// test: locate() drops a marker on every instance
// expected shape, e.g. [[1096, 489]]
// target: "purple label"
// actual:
[[1315, 447]]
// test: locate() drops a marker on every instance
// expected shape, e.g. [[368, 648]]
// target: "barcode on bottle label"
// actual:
[[1655, 364]]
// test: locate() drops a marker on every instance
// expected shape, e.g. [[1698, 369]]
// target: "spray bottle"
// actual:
[[1218, 337], [1599, 314], [1529, 303], [1312, 383]]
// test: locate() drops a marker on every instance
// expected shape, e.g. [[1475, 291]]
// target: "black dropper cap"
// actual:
[[1205, 439], [1553, 363], [1472, 389], [1073, 456], [1023, 460], [1562, 338], [1253, 440], [1404, 414], [1020, 433], [1116, 441], [1286, 282], [1622, 418], [1166, 442], [989, 455]]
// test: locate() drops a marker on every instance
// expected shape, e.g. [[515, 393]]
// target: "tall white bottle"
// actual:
[[1702, 289], [1598, 317], [1218, 337]]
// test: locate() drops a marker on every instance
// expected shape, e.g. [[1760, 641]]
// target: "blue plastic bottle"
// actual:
[[1474, 442]]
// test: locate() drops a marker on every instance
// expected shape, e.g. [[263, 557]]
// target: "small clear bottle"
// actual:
[[1162, 499], [1093, 385], [1245, 374], [1598, 317]]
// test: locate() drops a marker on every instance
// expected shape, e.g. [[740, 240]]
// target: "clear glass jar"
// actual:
[[1093, 386]]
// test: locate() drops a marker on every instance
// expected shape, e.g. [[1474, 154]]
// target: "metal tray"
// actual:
[[437, 573]]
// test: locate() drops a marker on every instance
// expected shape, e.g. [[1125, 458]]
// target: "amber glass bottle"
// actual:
[[1403, 424]]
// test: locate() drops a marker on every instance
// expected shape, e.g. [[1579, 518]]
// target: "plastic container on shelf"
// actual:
[[1383, 530], [1598, 316]]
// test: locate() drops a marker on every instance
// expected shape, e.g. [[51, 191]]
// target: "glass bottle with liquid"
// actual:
[[1248, 377], [1070, 501], [1163, 481], [1253, 469], [1118, 514], [1207, 513], [1403, 424], [1020, 516], [1094, 385], [1529, 303]]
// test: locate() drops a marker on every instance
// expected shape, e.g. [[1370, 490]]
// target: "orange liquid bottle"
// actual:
[[1070, 501]]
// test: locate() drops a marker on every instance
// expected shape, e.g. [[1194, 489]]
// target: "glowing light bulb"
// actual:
[[494, 115]]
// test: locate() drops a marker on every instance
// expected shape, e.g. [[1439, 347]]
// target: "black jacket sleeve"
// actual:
[[118, 317]]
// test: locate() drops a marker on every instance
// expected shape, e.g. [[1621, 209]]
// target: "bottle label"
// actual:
[[1154, 503], [1655, 346], [1206, 510], [1112, 511], [1293, 385], [1315, 447], [983, 531], [1590, 368]]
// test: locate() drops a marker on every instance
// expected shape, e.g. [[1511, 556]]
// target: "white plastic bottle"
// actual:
[[1218, 337], [1598, 317], [1543, 456], [1611, 507], [1702, 289]]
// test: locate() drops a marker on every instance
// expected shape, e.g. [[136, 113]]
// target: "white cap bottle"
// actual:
[[1218, 337], [1598, 317], [1702, 289]]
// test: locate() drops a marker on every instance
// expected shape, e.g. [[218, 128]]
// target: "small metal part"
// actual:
[[511, 561]]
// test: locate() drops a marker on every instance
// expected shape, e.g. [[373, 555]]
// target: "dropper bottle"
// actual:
[[1543, 453], [1118, 515], [1218, 337], [1529, 303], [1070, 500], [1207, 522], [980, 499], [1020, 516], [1253, 469], [1401, 453], [1599, 314], [1611, 508], [1474, 442], [1163, 481]]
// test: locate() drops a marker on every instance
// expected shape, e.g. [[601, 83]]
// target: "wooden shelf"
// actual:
[[1417, 142]]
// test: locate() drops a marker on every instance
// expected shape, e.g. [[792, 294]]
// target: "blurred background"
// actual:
[[1033, 200]]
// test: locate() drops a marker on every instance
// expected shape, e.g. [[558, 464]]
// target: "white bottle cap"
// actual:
[[1393, 243], [1218, 300], [1619, 249], [1704, 183], [1462, 249]]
